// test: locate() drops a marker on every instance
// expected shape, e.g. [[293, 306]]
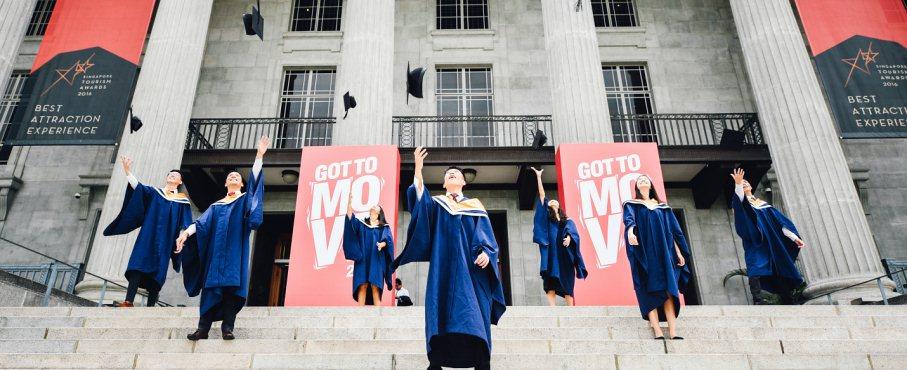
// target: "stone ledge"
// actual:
[[462, 39], [312, 41]]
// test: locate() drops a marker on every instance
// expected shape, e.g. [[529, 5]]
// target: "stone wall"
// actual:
[[886, 190]]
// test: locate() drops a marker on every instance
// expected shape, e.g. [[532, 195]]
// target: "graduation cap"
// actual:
[[349, 102], [135, 123], [254, 22], [538, 139], [414, 82]]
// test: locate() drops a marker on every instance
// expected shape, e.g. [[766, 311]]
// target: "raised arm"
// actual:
[[737, 175], [419, 158], [127, 167], [538, 178], [263, 143]]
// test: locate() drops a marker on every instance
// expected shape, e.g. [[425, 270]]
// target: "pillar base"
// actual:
[[867, 292], [91, 289]]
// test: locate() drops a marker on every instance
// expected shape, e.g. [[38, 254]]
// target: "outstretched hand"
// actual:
[[419, 155], [737, 175], [127, 163], [538, 173], [263, 143]]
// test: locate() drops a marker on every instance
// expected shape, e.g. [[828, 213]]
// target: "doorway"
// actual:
[[499, 226], [270, 260]]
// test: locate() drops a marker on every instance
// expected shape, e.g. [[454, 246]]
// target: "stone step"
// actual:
[[616, 333], [418, 322], [502, 347], [418, 361], [418, 311]]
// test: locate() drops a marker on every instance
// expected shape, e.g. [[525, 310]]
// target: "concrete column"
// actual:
[[819, 193], [163, 98], [16, 15], [578, 100], [366, 71]]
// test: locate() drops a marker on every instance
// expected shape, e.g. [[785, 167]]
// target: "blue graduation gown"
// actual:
[[161, 219], [768, 252], [360, 245], [656, 276], [216, 258], [462, 300], [559, 264]]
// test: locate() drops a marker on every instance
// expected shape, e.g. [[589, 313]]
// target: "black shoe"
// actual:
[[660, 337], [198, 334], [228, 335], [677, 338]]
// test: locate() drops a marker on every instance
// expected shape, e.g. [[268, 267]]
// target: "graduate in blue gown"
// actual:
[[161, 213], [558, 241], [463, 295], [657, 251], [771, 243], [369, 243], [216, 260]]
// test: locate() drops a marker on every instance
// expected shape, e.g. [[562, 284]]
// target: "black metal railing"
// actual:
[[883, 291], [687, 129], [468, 131], [897, 272], [63, 277], [243, 133]]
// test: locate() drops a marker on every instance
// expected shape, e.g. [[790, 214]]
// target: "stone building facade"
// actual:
[[576, 69]]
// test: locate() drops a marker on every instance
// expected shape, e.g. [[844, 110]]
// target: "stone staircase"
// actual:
[[717, 337]]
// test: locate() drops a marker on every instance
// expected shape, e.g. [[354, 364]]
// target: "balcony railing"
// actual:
[[243, 133], [468, 131], [686, 129], [475, 131]]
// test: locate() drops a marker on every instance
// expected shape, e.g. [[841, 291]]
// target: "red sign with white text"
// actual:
[[593, 182], [319, 275]]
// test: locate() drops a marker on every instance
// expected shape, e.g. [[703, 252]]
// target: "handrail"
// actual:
[[85, 271], [878, 281]]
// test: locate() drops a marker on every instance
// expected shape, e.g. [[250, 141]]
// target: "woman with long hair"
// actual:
[[771, 244], [558, 242], [369, 243], [657, 251]]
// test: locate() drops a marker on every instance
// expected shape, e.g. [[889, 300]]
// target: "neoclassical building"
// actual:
[[680, 73]]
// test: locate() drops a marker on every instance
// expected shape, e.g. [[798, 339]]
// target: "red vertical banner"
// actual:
[[593, 182], [319, 275]]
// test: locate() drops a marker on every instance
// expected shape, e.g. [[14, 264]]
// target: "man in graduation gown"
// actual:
[[463, 295], [216, 260], [771, 243], [161, 213]]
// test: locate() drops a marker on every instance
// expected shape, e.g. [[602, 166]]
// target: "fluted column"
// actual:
[[819, 193], [163, 98], [579, 104], [366, 71], [13, 23]]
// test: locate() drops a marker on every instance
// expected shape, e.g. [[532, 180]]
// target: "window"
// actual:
[[316, 15], [8, 103], [464, 92], [629, 93], [614, 13], [40, 17], [462, 14], [307, 93]]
